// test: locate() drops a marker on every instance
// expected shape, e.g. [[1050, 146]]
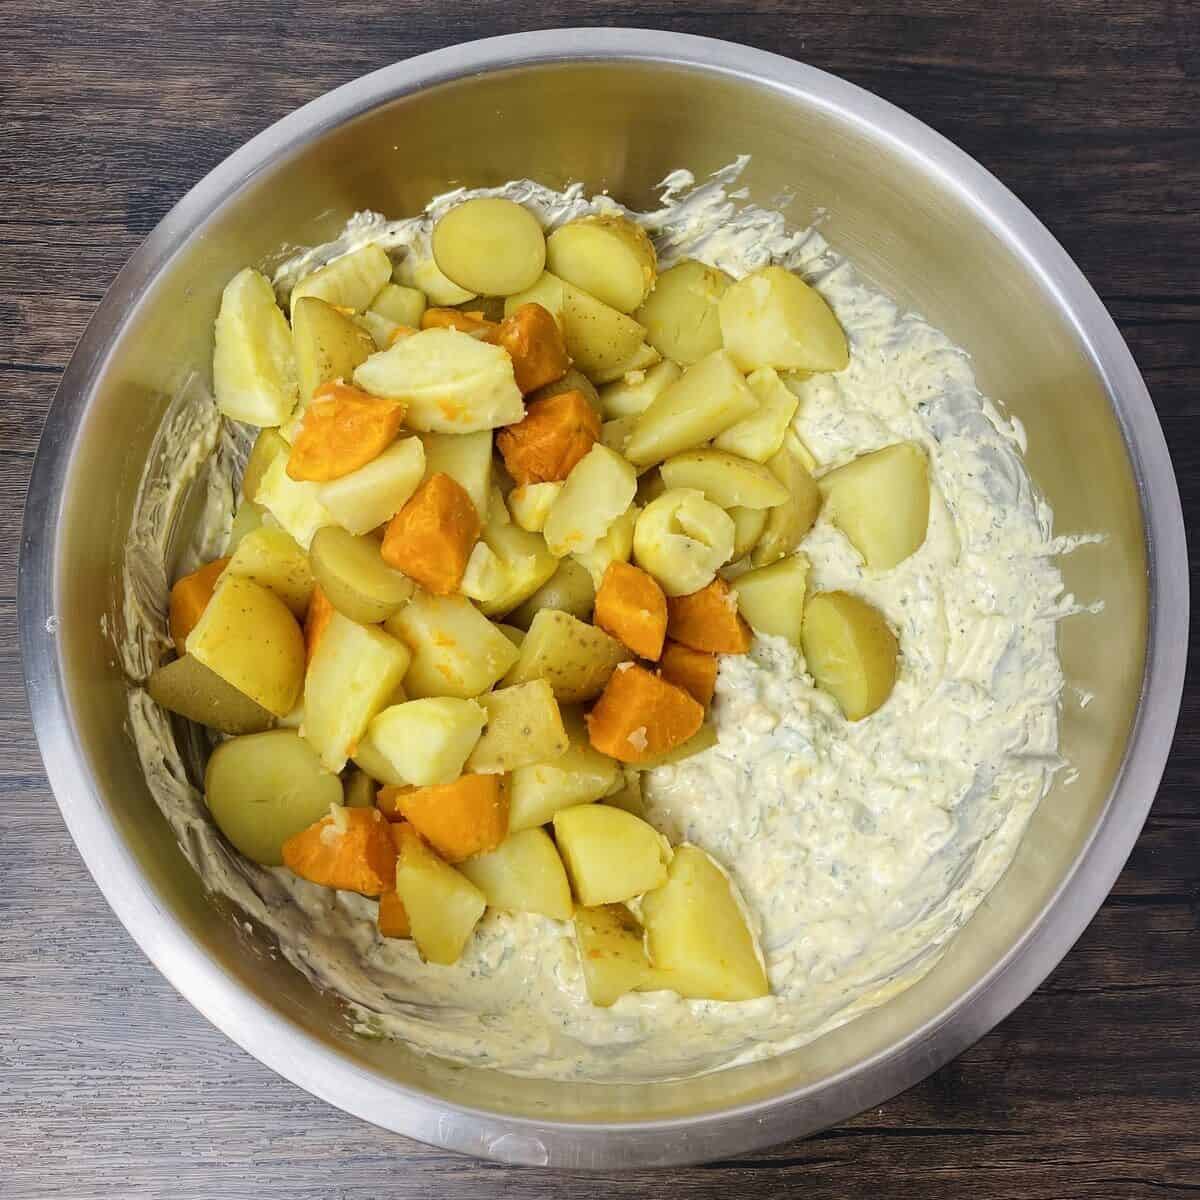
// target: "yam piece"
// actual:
[[640, 715], [393, 917], [535, 344], [632, 607], [553, 436], [708, 620], [343, 429], [692, 670], [431, 537], [459, 819], [189, 599], [351, 850]]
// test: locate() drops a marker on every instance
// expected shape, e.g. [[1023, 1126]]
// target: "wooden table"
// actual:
[[110, 1084]]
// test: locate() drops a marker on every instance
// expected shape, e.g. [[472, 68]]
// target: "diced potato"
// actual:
[[366, 498], [772, 318], [431, 537], [457, 651], [598, 490], [329, 345], [421, 272], [629, 797], [294, 504], [703, 739], [644, 357], [748, 526], [790, 521], [265, 788], [725, 479], [350, 850], [525, 561], [579, 776], [466, 458], [485, 577], [524, 726], [351, 281], [249, 637], [631, 397], [612, 952], [575, 659], [681, 316], [610, 855], [254, 367], [850, 650], [443, 905], [641, 715], [449, 382], [760, 436], [189, 688], [400, 305], [369, 758], [572, 381], [353, 673], [382, 331], [490, 245], [360, 789], [268, 446], [514, 635], [460, 819], [569, 589], [428, 741], [705, 401], [614, 435], [530, 504], [609, 257], [550, 292], [771, 598], [880, 501], [246, 520], [615, 546], [272, 558], [698, 935], [682, 539], [354, 577], [523, 874]]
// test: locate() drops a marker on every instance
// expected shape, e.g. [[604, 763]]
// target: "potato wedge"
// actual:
[[530, 504], [609, 257], [427, 741], [641, 360], [681, 316], [760, 435], [443, 905], [725, 479], [354, 577], [630, 397], [399, 305], [569, 589], [748, 526], [612, 952], [366, 498], [682, 539], [575, 659], [523, 874], [370, 759], [272, 558], [490, 245], [771, 598], [524, 726], [610, 855], [850, 650], [351, 281], [188, 688], [295, 505], [525, 562], [790, 521], [598, 490], [615, 546], [467, 459], [329, 345]]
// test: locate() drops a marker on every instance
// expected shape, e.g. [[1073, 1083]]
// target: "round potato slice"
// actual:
[[264, 788], [491, 246], [681, 316], [357, 582], [850, 650], [609, 257]]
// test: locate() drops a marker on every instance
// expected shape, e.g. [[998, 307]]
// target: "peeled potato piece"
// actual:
[[426, 742], [295, 504], [524, 725], [748, 525], [609, 257], [523, 562], [490, 245], [615, 546], [598, 490], [189, 688], [725, 479], [274, 559], [376, 492], [631, 397], [771, 598], [399, 305], [612, 952], [530, 504], [421, 273], [329, 345], [609, 854], [352, 281], [680, 315], [760, 435], [443, 905], [354, 577], [523, 874], [265, 788], [790, 521], [467, 459], [682, 539], [850, 650], [268, 446]]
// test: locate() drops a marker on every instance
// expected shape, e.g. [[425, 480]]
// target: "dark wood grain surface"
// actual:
[[1090, 111]]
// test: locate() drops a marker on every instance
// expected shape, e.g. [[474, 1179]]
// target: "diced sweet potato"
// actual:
[[535, 344], [430, 538], [692, 670], [343, 429], [320, 613], [351, 849], [393, 917], [708, 620], [631, 606], [640, 716], [553, 436], [465, 322], [190, 597], [459, 819]]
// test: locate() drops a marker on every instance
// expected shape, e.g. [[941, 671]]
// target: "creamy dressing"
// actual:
[[859, 849]]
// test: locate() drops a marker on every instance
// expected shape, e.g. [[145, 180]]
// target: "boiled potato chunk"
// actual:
[[609, 257], [380, 329], [421, 272], [374, 493], [295, 504], [490, 245], [264, 788], [703, 402], [631, 397], [698, 936], [725, 479], [530, 504], [254, 366], [268, 446], [523, 874], [680, 315], [610, 854], [189, 688], [524, 725], [550, 292], [572, 381], [643, 358], [748, 525], [612, 951], [329, 345], [772, 318], [614, 435], [274, 559], [598, 490], [427, 741], [457, 651], [569, 589], [790, 521], [443, 905], [246, 520], [760, 436], [352, 281], [615, 546], [880, 501], [354, 577], [354, 671], [525, 563], [771, 598], [574, 658], [467, 459], [448, 381], [400, 305], [248, 636], [850, 650], [682, 539], [370, 759]]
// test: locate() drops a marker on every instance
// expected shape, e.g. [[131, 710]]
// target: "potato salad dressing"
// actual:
[[859, 848]]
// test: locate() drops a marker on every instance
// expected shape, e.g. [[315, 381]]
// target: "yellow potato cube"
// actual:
[[421, 272], [443, 905], [399, 305], [610, 855], [569, 589], [351, 281], [630, 397], [760, 435], [467, 459], [600, 487], [615, 546], [274, 559], [295, 504], [523, 874], [531, 503], [575, 659], [426, 742], [524, 726], [681, 316], [612, 952], [366, 498], [790, 521]]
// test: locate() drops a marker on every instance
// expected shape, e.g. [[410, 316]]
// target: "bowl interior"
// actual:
[[622, 126]]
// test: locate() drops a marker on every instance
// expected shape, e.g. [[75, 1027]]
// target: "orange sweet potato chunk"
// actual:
[[431, 537], [343, 429], [459, 819], [692, 670], [708, 620], [354, 853], [640, 715], [632, 607], [393, 917], [535, 344], [554, 435], [465, 322], [316, 619], [189, 599]]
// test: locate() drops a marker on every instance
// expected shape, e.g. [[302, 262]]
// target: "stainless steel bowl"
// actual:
[[617, 109]]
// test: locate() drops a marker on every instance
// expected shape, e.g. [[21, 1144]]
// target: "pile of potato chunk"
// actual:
[[507, 507]]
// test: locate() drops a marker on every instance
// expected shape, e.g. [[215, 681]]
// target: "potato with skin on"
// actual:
[[490, 245], [530, 504], [682, 539], [431, 537], [599, 489], [574, 658], [534, 341], [708, 620], [523, 874], [850, 650], [466, 817], [610, 855], [363, 500], [631, 606], [188, 688], [693, 670], [725, 479], [748, 526], [554, 435], [572, 381], [329, 345], [630, 397], [442, 904], [612, 953], [681, 316], [467, 459], [608, 256], [615, 546], [789, 522], [351, 281], [354, 578], [343, 429], [427, 741], [760, 435], [640, 715], [524, 725], [268, 446], [771, 598], [640, 361], [350, 850], [569, 590], [273, 558], [189, 598]]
